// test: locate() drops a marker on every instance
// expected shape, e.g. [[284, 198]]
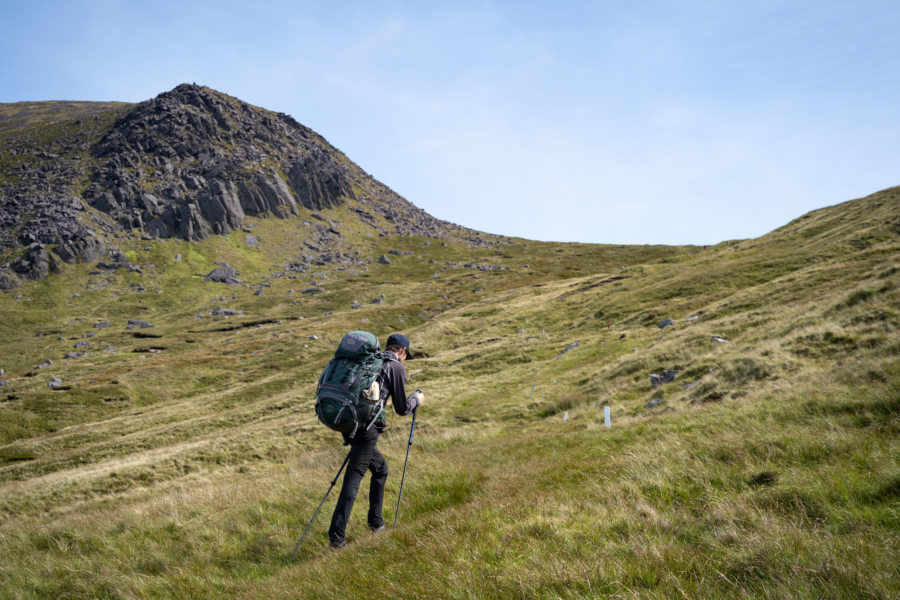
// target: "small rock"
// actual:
[[384, 260], [135, 323], [694, 318], [178, 258], [653, 403], [258, 292], [568, 348], [110, 348], [691, 385], [719, 340], [313, 337], [55, 382], [103, 325], [355, 305], [252, 241], [667, 376], [763, 478], [44, 364], [72, 355], [665, 323]]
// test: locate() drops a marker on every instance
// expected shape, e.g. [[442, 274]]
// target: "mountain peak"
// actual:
[[189, 163]]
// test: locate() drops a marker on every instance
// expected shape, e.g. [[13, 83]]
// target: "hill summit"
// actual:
[[190, 163]]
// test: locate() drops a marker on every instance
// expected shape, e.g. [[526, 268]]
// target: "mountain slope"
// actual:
[[179, 456]]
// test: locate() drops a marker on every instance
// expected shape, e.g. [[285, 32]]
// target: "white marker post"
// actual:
[[606, 416], [566, 416]]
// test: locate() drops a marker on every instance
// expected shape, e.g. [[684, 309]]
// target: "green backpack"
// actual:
[[348, 396]]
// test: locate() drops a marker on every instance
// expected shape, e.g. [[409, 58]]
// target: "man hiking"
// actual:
[[363, 452]]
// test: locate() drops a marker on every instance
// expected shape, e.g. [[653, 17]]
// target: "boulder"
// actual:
[[384, 260], [36, 264], [224, 274], [86, 249], [8, 281], [665, 323]]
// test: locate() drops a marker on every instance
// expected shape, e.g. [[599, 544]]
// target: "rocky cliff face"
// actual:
[[193, 162], [189, 163]]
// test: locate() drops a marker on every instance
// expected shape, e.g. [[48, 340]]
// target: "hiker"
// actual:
[[363, 453]]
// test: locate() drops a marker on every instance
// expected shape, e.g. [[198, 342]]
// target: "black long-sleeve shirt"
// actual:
[[393, 383]]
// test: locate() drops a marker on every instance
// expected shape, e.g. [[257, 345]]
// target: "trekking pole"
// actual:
[[333, 481], [402, 479]]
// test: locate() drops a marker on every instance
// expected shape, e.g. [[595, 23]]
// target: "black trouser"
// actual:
[[363, 456]]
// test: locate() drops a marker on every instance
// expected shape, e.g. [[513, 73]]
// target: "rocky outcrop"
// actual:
[[217, 159], [319, 181]]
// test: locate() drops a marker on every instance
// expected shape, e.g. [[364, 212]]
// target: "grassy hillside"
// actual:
[[184, 459]]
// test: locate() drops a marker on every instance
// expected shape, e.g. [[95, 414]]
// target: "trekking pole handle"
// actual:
[[412, 426]]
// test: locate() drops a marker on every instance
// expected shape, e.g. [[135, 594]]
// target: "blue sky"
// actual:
[[608, 121]]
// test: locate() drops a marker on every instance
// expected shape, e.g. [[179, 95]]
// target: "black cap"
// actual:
[[398, 339]]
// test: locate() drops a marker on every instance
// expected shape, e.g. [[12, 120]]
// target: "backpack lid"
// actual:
[[356, 344]]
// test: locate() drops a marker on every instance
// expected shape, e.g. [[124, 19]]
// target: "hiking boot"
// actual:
[[335, 545], [377, 529]]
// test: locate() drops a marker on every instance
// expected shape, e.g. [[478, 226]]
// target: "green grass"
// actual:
[[769, 467]]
